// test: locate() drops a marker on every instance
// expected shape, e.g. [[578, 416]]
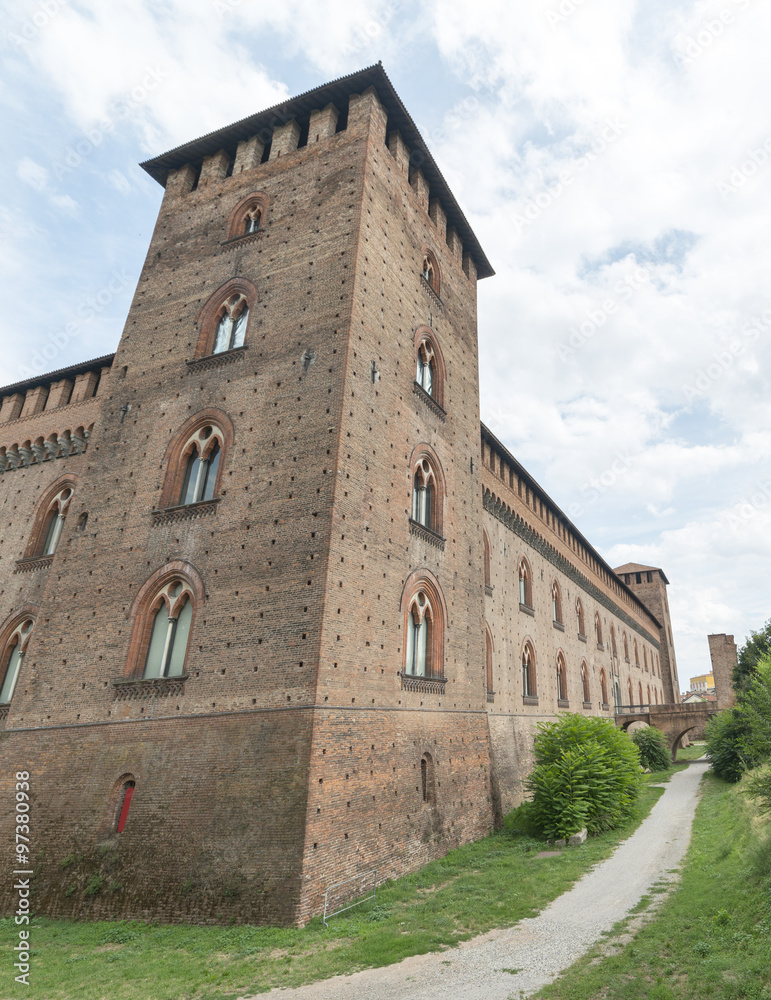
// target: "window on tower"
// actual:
[[172, 617], [231, 326], [14, 648], [202, 456]]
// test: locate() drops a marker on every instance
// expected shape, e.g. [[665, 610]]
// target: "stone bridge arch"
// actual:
[[673, 720]]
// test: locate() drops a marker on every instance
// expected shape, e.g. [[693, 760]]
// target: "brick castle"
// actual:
[[274, 610]]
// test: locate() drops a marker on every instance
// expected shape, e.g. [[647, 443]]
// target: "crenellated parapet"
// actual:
[[362, 105], [34, 398]]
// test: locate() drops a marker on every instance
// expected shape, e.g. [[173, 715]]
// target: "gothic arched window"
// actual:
[[427, 492], [172, 617], [562, 680], [420, 641], [529, 689], [13, 652], [598, 628], [429, 270], [230, 330], [604, 687], [585, 683], [556, 603], [580, 617], [54, 518], [525, 583], [201, 455]]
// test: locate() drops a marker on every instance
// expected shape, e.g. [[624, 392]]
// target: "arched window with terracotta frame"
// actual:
[[585, 691], [640, 692], [645, 658], [529, 681], [598, 627], [562, 681], [428, 489], [649, 695], [249, 215], [223, 321], [604, 687], [13, 646], [556, 603], [580, 618], [613, 647], [429, 270], [525, 575], [636, 654], [486, 556], [164, 614], [195, 458], [118, 804], [430, 370], [631, 691], [656, 694], [424, 617], [626, 647], [48, 517]]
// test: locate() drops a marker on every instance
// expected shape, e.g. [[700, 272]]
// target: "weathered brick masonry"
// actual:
[[294, 746]]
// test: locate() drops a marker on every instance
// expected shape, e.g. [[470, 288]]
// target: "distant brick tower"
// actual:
[[724, 656], [650, 584], [242, 638]]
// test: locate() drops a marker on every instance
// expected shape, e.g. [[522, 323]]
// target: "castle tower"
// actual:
[[650, 584], [724, 657], [245, 625]]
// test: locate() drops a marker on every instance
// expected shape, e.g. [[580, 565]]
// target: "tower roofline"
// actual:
[[337, 92], [641, 568]]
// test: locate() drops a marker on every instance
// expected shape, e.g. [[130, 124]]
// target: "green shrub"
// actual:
[[730, 744], [587, 774], [95, 885], [653, 747], [759, 787]]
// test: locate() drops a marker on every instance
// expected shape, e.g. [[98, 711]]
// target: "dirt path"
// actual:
[[518, 961]]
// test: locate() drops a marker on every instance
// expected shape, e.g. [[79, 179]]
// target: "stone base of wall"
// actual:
[[214, 832]]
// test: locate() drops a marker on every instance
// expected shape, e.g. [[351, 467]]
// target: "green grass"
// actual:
[[712, 936], [693, 752], [492, 883]]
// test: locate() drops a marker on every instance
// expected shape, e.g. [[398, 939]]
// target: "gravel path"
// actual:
[[539, 948]]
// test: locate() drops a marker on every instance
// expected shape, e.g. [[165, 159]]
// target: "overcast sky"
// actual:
[[612, 156]]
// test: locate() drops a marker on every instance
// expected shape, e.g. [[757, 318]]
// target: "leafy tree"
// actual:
[[587, 773], [653, 747], [755, 648], [740, 738]]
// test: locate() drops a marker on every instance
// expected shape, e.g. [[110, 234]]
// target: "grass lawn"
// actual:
[[712, 936], [492, 883], [693, 752]]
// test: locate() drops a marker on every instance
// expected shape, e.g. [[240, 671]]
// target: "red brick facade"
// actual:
[[283, 751]]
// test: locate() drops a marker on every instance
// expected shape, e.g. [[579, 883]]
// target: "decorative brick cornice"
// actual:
[[523, 530], [423, 685], [186, 512], [151, 687], [429, 400], [32, 563], [216, 360], [426, 534], [427, 288], [243, 240]]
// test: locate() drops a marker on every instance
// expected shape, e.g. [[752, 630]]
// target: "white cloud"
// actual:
[[32, 173]]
